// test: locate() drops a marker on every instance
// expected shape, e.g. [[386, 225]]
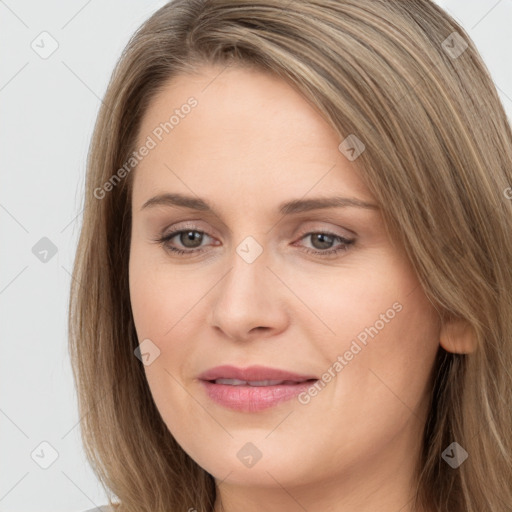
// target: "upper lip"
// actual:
[[252, 373]]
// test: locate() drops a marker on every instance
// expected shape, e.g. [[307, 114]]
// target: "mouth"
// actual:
[[253, 375], [259, 383], [243, 396], [249, 391]]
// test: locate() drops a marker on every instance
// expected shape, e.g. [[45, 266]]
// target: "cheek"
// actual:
[[383, 336], [350, 300], [387, 351], [162, 301], [169, 308], [156, 303], [161, 293]]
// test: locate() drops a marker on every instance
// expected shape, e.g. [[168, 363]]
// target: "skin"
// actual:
[[252, 143]]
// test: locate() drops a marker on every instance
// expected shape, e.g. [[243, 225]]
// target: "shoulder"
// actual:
[[104, 508]]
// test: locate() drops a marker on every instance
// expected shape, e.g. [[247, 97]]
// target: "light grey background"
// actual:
[[48, 112]]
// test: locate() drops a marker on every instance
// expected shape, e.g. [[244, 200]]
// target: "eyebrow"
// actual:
[[287, 208]]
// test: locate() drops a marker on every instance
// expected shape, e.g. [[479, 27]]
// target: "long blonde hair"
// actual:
[[405, 79]]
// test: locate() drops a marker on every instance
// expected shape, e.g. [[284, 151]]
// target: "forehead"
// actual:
[[234, 102], [248, 131]]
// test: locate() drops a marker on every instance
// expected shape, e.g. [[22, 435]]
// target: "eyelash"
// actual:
[[164, 241]]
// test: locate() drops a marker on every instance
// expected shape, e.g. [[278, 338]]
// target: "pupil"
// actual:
[[321, 237], [190, 236]]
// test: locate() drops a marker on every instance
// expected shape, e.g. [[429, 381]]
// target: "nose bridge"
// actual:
[[245, 298], [249, 273]]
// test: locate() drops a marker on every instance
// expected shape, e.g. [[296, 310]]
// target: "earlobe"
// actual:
[[457, 336]]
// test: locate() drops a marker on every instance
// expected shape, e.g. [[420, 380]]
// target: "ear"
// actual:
[[457, 336]]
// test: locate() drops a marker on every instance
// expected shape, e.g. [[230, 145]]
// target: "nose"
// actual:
[[249, 301]]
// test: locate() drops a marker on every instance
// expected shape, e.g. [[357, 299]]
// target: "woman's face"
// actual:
[[261, 285]]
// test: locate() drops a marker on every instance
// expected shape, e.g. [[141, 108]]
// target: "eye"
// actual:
[[323, 242], [191, 240]]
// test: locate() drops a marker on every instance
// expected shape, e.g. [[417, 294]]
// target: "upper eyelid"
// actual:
[[194, 225]]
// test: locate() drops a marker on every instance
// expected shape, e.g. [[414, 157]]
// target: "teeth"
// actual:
[[236, 382], [231, 382]]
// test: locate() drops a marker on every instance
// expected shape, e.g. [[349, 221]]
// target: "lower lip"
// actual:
[[253, 398]]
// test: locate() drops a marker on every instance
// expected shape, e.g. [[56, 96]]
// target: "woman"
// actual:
[[292, 289]]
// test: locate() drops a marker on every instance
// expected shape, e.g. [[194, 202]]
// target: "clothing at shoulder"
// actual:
[[104, 508]]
